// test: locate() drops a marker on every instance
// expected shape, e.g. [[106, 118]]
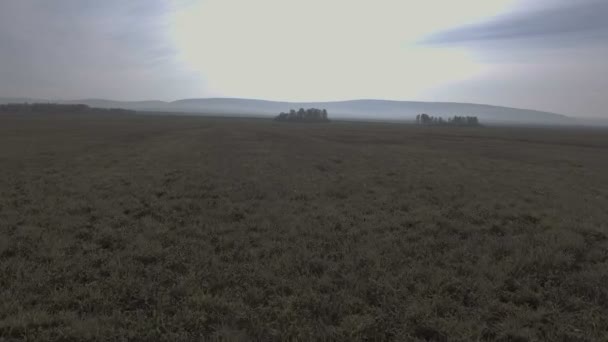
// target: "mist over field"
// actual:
[[368, 110]]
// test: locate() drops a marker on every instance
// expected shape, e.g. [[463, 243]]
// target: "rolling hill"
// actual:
[[383, 110]]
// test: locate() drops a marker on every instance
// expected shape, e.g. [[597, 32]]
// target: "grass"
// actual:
[[182, 228]]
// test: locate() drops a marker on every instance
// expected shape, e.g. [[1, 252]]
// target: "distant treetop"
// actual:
[[425, 119], [302, 115]]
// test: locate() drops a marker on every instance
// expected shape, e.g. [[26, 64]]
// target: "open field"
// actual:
[[176, 228]]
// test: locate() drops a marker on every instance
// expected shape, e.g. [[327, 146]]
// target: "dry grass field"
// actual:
[[125, 227]]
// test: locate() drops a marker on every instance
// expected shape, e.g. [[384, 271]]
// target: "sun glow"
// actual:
[[324, 50]]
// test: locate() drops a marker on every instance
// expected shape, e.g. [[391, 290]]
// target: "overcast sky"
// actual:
[[541, 54]]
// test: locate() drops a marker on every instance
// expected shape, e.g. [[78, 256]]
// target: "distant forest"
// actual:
[[425, 119], [304, 115], [57, 108]]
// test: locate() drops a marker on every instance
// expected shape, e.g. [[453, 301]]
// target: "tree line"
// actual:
[[57, 108], [425, 119], [304, 115]]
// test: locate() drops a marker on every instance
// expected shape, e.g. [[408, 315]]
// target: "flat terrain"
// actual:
[[182, 228]]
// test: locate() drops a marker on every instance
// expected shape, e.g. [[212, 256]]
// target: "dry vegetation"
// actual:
[[176, 228]]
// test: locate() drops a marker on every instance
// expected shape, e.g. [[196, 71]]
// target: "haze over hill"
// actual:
[[384, 110]]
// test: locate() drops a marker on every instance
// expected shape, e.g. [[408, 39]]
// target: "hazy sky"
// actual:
[[542, 54]]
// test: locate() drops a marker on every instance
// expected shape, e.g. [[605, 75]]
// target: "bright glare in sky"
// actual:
[[325, 49]]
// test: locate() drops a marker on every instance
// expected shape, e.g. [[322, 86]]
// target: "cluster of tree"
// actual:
[[304, 115], [57, 108], [425, 119]]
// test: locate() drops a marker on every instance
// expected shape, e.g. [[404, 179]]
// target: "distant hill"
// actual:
[[356, 109], [133, 105], [55, 108], [6, 100]]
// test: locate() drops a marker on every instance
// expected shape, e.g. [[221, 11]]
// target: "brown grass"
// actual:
[[182, 228]]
